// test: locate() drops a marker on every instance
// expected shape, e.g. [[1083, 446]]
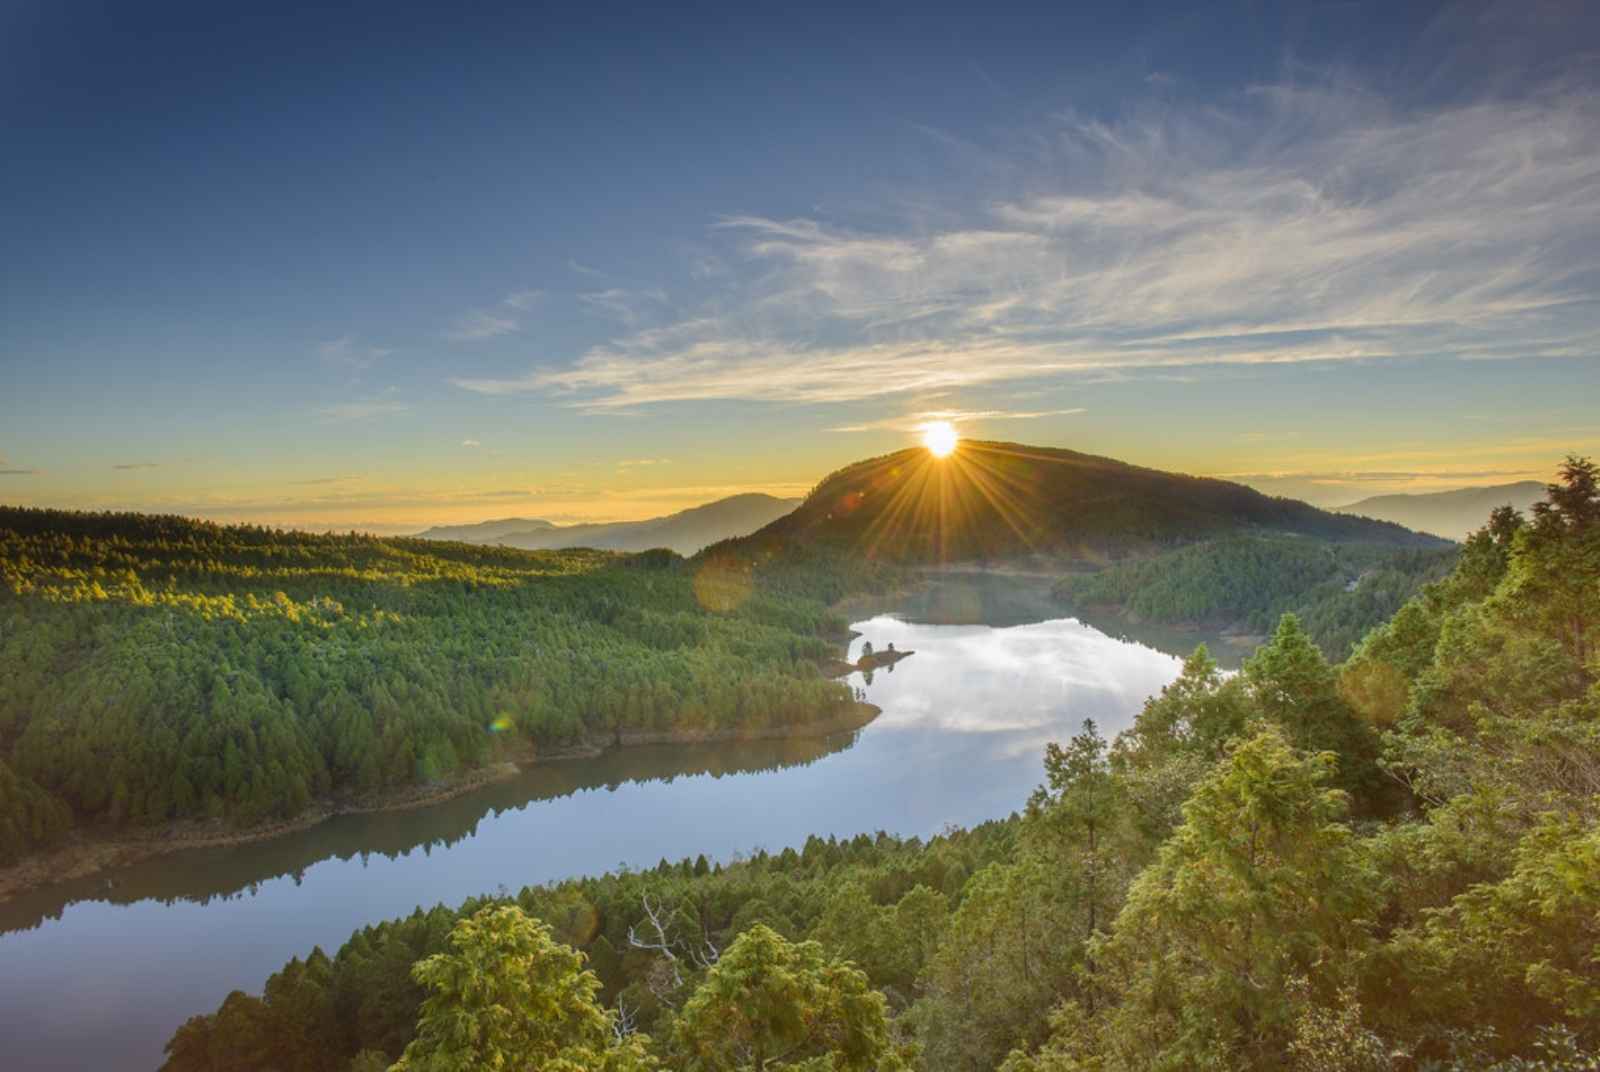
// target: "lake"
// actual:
[[98, 973]]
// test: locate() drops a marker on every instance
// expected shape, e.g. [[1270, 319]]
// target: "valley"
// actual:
[[951, 719], [960, 673], [938, 537]]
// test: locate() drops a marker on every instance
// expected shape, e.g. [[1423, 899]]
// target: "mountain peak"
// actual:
[[997, 499]]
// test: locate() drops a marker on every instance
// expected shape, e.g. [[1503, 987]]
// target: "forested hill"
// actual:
[[996, 500], [155, 668], [1244, 583]]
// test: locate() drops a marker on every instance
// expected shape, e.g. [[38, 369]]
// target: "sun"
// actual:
[[939, 437]]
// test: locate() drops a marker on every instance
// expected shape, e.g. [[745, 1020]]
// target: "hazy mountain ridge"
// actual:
[[685, 532], [484, 531], [1451, 514], [999, 500]]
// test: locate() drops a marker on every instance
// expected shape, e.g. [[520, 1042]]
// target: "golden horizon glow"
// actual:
[[940, 438]]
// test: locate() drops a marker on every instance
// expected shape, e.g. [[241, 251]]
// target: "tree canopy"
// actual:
[[158, 668], [509, 997]]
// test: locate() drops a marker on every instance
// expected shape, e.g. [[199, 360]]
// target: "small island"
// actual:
[[868, 661]]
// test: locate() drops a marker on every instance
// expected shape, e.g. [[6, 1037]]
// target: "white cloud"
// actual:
[[471, 443], [1288, 225], [382, 404], [523, 299], [627, 306], [481, 325], [350, 355]]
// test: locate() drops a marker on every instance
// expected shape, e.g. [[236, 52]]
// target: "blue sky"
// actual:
[[388, 265]]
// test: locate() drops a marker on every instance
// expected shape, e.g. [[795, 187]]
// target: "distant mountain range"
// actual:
[[486, 531], [1452, 514], [1000, 500], [684, 532]]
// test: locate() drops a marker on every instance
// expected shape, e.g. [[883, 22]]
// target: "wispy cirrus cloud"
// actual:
[[523, 299], [479, 324], [915, 421], [350, 355], [19, 472], [136, 465], [625, 305], [385, 403], [1291, 223], [322, 480]]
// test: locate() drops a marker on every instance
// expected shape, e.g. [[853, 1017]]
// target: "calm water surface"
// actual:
[[98, 973]]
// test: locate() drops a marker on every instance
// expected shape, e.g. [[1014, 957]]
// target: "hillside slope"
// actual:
[[996, 500], [1451, 514], [156, 668]]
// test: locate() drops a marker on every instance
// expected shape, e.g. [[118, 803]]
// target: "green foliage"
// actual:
[[1011, 946], [1247, 582], [891, 942], [1330, 1037], [371, 1002], [291, 1026], [30, 818], [158, 668], [771, 1003], [1262, 882], [1178, 736], [1292, 685], [508, 996]]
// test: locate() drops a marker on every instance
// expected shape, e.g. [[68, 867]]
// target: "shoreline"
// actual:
[[1230, 630], [85, 854]]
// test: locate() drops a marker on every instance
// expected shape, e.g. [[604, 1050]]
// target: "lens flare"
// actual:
[[939, 437], [722, 584]]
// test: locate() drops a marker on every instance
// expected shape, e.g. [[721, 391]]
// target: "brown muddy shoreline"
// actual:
[[85, 854]]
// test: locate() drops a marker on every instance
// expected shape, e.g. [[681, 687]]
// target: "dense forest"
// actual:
[[1389, 863], [1339, 591], [160, 668]]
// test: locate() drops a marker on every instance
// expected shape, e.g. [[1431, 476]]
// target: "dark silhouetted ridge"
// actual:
[[998, 500]]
